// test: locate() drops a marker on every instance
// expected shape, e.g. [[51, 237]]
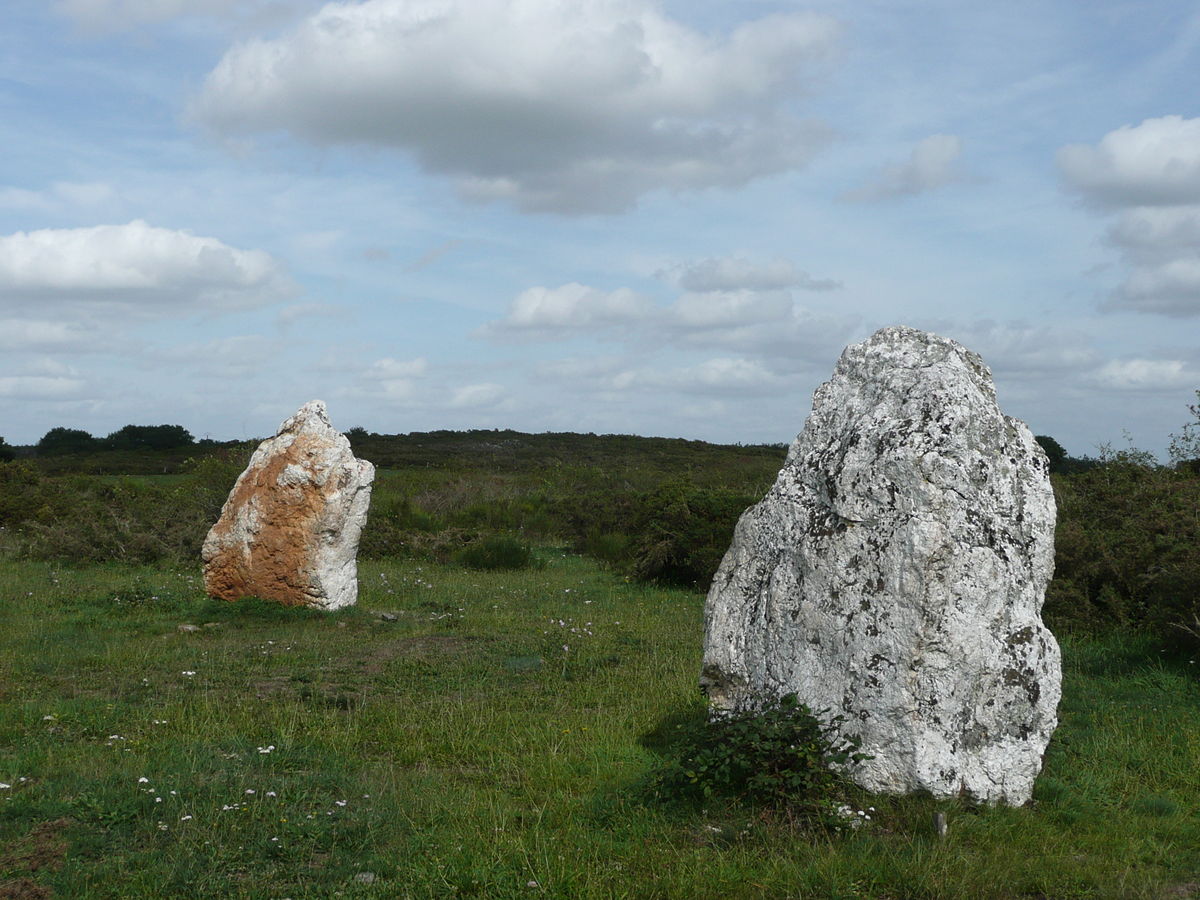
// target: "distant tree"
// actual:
[[357, 435], [61, 441], [1054, 451], [1184, 447], [149, 437], [7, 453]]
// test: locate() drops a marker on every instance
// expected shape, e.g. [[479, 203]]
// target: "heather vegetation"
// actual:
[[651, 509], [511, 710]]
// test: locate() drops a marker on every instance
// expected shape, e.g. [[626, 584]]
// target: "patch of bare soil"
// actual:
[[43, 849], [24, 889]]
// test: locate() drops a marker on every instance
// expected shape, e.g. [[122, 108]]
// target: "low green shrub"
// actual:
[[779, 756], [495, 553], [1127, 549], [682, 531]]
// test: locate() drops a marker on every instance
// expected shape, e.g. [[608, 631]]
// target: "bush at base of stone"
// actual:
[[779, 756], [493, 553], [1127, 550], [682, 531]]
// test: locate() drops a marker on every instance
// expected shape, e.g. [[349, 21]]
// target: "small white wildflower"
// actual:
[[340, 802], [158, 799], [4, 787], [249, 790], [143, 780], [184, 818], [49, 718], [531, 884], [189, 673], [272, 794]]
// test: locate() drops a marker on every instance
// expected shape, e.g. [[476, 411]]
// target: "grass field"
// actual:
[[463, 733]]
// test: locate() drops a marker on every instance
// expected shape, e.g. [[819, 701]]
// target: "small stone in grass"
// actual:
[[365, 877], [187, 628], [389, 617]]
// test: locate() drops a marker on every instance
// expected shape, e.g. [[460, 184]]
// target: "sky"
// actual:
[[611, 216]]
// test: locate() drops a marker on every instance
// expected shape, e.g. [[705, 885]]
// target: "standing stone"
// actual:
[[290, 528], [894, 575]]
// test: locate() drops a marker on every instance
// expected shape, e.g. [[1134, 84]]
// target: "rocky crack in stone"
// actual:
[[289, 531], [895, 573]]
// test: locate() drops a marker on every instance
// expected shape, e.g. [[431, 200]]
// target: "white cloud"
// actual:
[[558, 107], [1157, 232], [33, 334], [41, 387], [389, 368], [1151, 375], [732, 273], [1020, 352], [766, 324], [234, 356], [135, 268], [1150, 173], [393, 380], [713, 377], [729, 309], [1170, 288], [726, 376], [541, 313], [476, 396], [1154, 163], [931, 165]]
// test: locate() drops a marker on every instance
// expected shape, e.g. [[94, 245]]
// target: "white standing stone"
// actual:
[[895, 573], [289, 531]]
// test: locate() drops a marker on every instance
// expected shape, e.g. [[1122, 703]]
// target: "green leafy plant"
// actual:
[[779, 756], [497, 552], [682, 532]]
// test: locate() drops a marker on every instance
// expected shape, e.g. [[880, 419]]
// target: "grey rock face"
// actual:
[[290, 528], [895, 572]]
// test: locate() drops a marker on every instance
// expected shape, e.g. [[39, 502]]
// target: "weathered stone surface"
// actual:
[[895, 572], [290, 528]]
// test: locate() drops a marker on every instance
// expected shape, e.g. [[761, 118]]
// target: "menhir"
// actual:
[[894, 576], [289, 531]]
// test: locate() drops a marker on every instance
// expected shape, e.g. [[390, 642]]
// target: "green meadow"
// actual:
[[485, 734]]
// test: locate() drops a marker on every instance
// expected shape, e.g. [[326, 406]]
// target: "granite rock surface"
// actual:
[[894, 575], [289, 531]]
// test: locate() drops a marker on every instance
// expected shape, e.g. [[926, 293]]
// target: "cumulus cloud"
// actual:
[[136, 268], [389, 368], [43, 379], [393, 379], [476, 396], [40, 334], [1149, 375], [541, 313], [557, 107], [1156, 162], [233, 356], [932, 164], [1022, 352], [1149, 176], [718, 377], [732, 273], [41, 387], [768, 325]]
